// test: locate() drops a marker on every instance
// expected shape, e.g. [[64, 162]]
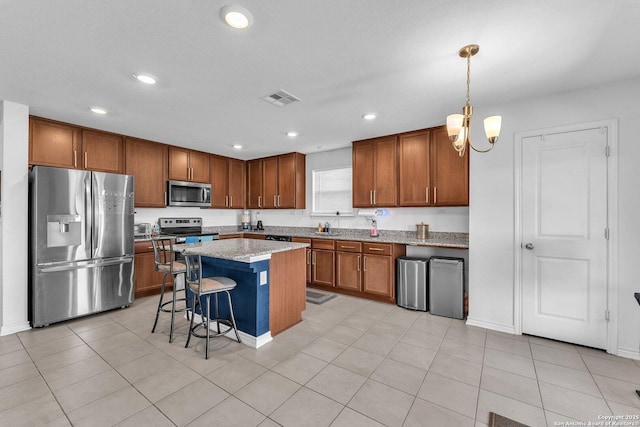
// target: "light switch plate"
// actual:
[[263, 277]]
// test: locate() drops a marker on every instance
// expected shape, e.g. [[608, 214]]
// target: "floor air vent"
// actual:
[[281, 98]]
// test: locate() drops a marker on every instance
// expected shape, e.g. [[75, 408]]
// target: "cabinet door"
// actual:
[[287, 181], [147, 281], [199, 164], [147, 162], [348, 270], [236, 184], [270, 182], [219, 182], [363, 174], [102, 151], [254, 184], [449, 171], [414, 170], [53, 144], [323, 267], [377, 275], [386, 173], [178, 164]]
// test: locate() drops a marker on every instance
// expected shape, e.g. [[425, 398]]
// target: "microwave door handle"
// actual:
[[204, 194]]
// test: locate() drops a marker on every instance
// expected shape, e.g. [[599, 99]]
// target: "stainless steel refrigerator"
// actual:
[[81, 243]]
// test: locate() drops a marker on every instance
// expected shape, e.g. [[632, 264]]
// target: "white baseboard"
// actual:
[[508, 329], [629, 353], [250, 340], [8, 330]]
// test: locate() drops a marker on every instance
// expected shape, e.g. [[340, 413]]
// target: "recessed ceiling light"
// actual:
[[237, 146], [236, 16], [292, 134], [98, 110], [369, 116], [147, 79]]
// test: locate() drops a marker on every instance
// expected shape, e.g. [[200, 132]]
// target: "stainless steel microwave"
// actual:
[[183, 193]]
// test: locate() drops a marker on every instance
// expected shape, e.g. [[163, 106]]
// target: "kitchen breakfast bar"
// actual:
[[270, 295]]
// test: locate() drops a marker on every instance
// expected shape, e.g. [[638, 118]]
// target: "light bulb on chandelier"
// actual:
[[459, 125]]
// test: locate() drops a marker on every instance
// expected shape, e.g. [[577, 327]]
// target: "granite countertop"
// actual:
[[243, 250], [436, 239]]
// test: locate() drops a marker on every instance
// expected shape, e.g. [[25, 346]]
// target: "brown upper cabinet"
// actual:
[[147, 162], [62, 145], [431, 172], [254, 184], [188, 165], [282, 183], [227, 182], [375, 174]]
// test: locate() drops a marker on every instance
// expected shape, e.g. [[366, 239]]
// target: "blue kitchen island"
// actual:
[[271, 283]]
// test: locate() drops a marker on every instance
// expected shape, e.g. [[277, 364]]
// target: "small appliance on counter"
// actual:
[[259, 226], [374, 228], [142, 230], [422, 231], [245, 218]]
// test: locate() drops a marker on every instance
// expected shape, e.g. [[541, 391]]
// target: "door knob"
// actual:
[[529, 246]]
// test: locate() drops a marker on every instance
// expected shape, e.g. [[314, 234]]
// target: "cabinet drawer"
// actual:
[[301, 240], [348, 246], [323, 244], [143, 247], [377, 248]]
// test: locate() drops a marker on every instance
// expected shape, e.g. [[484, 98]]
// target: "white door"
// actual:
[[564, 245]]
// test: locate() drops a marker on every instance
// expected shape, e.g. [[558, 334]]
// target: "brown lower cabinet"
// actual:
[[363, 269], [147, 281], [322, 262]]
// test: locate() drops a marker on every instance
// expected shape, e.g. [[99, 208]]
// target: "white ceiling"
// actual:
[[340, 57]]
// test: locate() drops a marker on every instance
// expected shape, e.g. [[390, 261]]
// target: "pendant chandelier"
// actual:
[[459, 125]]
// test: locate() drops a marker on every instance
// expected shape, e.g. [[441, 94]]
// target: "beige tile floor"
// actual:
[[350, 363]]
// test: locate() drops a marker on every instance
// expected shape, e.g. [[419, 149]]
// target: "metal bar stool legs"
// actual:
[[164, 263], [203, 288]]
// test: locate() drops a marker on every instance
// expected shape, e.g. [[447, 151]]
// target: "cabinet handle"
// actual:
[[275, 203], [278, 200], [358, 263], [346, 247], [371, 197], [376, 249], [435, 195], [364, 263], [75, 158], [426, 190], [85, 159], [308, 258], [165, 198], [259, 201], [374, 197], [226, 201], [313, 258], [230, 201]]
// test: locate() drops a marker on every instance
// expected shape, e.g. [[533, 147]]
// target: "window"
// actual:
[[331, 192]]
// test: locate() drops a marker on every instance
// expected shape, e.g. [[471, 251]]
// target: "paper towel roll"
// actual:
[[370, 212]]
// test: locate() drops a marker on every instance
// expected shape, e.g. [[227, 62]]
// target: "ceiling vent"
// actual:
[[281, 98]]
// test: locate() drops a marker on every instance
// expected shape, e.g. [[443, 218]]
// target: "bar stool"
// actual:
[[164, 261], [205, 287]]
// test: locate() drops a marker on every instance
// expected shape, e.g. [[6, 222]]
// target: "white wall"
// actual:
[[14, 146], [491, 215]]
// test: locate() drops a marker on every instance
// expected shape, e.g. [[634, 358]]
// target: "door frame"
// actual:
[[611, 126]]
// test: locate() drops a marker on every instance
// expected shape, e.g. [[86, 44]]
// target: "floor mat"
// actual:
[[317, 297]]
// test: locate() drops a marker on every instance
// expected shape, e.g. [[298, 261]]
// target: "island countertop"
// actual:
[[243, 250]]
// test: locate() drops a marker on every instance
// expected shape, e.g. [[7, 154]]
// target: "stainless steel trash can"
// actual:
[[411, 283], [446, 287]]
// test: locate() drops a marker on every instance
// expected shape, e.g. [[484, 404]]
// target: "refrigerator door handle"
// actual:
[[88, 217], [54, 267]]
